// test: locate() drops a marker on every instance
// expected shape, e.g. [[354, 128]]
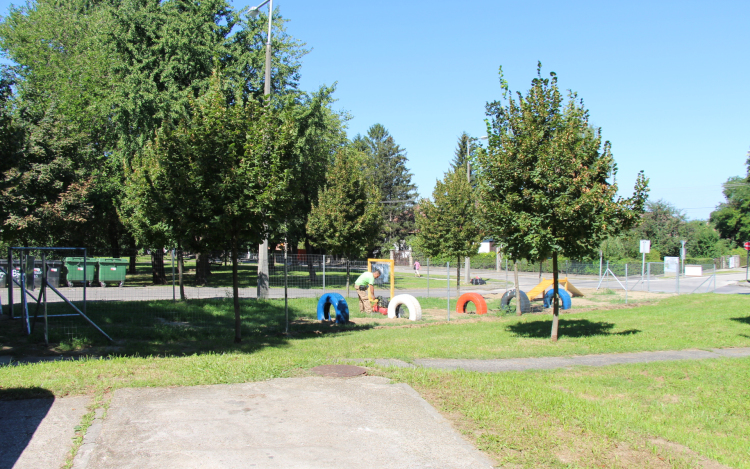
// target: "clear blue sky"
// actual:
[[667, 81]]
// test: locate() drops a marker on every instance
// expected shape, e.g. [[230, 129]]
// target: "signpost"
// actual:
[[645, 249], [747, 264]]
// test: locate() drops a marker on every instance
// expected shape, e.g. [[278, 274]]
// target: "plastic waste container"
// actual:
[[112, 270], [54, 273], [74, 270]]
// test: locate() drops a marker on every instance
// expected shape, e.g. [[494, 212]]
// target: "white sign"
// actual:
[[671, 264], [693, 271], [645, 246]]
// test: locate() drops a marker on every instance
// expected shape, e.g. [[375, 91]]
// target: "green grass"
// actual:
[[589, 417], [617, 416]]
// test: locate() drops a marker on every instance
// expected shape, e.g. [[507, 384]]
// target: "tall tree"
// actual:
[[447, 225], [732, 217], [545, 185], [345, 219], [386, 168], [466, 153], [98, 78], [224, 171]]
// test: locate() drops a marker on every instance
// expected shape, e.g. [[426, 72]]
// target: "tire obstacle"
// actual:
[[339, 304], [564, 297], [523, 298], [475, 298], [408, 301]]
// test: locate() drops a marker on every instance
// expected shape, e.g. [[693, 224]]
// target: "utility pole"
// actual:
[[467, 266], [262, 292]]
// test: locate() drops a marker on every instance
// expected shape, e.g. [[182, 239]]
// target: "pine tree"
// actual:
[[385, 164]]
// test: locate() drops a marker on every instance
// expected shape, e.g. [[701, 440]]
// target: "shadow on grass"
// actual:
[[745, 320], [165, 328], [567, 328]]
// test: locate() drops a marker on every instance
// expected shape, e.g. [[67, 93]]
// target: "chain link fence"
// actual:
[[154, 296]]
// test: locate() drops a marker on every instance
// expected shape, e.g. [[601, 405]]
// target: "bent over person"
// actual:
[[366, 282]]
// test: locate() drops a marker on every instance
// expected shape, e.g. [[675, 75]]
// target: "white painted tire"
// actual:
[[411, 303]]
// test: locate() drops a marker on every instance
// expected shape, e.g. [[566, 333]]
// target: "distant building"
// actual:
[[488, 245]]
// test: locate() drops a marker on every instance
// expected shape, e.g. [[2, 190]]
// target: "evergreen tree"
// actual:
[[544, 186], [385, 165], [466, 151], [447, 225]]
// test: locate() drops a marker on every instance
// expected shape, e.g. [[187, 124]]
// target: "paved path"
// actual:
[[310, 422], [545, 363], [37, 433]]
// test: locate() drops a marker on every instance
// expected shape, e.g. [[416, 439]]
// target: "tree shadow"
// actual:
[[19, 420], [567, 328], [745, 320], [165, 328]]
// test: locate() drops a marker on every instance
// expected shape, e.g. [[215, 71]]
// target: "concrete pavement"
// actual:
[[309, 422]]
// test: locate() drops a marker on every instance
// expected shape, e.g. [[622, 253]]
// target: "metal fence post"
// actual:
[[648, 276], [677, 279], [9, 281], [448, 271], [626, 283], [428, 277], [174, 298], [324, 273], [714, 290]]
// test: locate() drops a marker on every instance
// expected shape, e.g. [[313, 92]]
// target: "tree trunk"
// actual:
[[555, 298], [133, 256], [458, 274], [201, 268], [236, 293], [180, 271], [310, 266], [518, 290], [157, 266]]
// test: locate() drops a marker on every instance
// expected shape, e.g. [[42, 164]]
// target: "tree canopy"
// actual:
[[385, 164], [447, 224], [545, 186]]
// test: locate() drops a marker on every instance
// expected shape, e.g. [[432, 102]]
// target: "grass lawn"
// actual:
[[646, 415], [651, 415]]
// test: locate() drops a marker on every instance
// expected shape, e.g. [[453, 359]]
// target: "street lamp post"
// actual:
[[263, 248]]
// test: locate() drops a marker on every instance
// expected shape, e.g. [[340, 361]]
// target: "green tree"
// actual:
[[223, 171], [345, 219], [466, 152], [447, 225], [321, 135], [385, 164], [545, 186], [732, 217], [664, 225], [97, 79]]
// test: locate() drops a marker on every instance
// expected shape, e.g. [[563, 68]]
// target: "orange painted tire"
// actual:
[[475, 298]]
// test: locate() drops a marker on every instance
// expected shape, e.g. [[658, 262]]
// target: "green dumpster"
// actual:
[[74, 270], [112, 270]]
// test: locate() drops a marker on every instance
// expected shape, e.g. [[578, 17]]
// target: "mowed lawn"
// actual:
[[671, 414]]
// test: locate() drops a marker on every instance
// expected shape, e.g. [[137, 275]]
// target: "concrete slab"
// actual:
[[37, 433], [310, 422]]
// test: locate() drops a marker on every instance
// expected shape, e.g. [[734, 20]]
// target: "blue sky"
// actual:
[[667, 81]]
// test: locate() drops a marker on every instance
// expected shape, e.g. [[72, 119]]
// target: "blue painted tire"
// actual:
[[339, 304], [564, 297]]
